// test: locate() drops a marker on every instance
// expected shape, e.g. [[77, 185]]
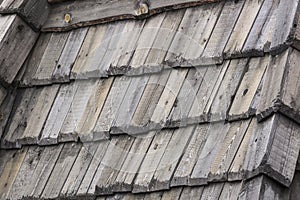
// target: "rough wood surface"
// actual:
[[10, 172], [227, 90], [5, 110], [213, 51], [16, 41], [242, 28], [67, 58], [212, 191], [92, 111], [79, 169], [129, 104], [107, 11], [83, 92], [111, 163], [151, 161], [88, 184], [50, 58], [242, 103], [58, 114], [87, 53], [189, 159], [260, 37], [190, 193], [61, 170], [34, 59], [112, 104], [124, 180], [172, 155], [215, 136], [271, 94], [39, 115]]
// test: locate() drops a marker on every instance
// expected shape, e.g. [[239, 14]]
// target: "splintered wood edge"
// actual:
[[127, 16]]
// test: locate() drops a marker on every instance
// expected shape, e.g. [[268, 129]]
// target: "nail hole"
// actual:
[[245, 92]]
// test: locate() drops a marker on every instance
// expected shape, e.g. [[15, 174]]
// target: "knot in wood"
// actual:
[[68, 18]]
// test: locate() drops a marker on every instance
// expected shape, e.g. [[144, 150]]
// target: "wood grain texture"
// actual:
[[124, 180], [242, 28], [61, 170], [112, 162], [57, 114], [5, 110], [16, 41], [213, 52], [50, 58], [151, 161], [34, 12], [67, 58], [107, 11], [39, 115], [92, 111], [185, 167], [83, 92], [242, 103]]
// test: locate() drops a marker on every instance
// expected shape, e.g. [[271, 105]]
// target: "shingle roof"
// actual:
[[192, 99]]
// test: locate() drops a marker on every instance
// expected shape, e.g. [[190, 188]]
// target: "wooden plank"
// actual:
[[251, 189], [212, 191], [3, 94], [25, 101], [42, 171], [271, 94], [5, 111], [25, 173], [92, 111], [213, 52], [216, 135], [144, 44], [290, 89], [125, 47], [79, 169], [111, 164], [206, 93], [228, 149], [39, 115], [295, 186], [241, 106], [254, 147], [123, 60], [34, 59], [87, 52], [186, 96], [124, 180], [10, 171], [67, 58], [190, 157], [231, 190], [153, 195], [284, 150], [61, 170], [148, 101], [112, 104], [16, 41], [101, 61], [172, 194], [58, 114], [163, 40], [108, 11], [284, 26], [227, 89], [151, 161], [90, 179], [202, 34], [80, 99], [190, 193], [34, 12], [168, 97], [260, 37], [50, 58], [129, 104], [242, 28], [172, 156]]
